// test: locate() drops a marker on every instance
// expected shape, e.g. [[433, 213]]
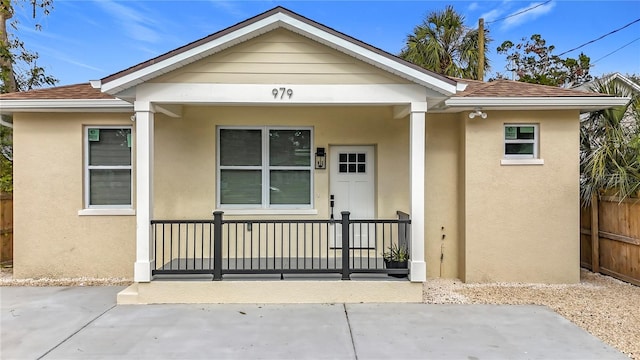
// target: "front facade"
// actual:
[[283, 123]]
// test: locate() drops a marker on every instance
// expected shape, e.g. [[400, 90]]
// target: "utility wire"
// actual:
[[616, 50], [601, 37], [519, 12]]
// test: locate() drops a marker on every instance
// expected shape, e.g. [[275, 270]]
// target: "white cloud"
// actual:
[[492, 15], [230, 7], [527, 15], [138, 25], [473, 6]]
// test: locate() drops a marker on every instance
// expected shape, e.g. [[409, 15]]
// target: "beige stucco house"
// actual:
[[279, 125]]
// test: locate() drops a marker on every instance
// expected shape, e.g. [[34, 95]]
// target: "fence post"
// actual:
[[595, 235], [345, 246], [217, 245]]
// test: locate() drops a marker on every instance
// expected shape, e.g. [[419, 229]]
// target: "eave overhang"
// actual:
[[63, 105], [587, 103]]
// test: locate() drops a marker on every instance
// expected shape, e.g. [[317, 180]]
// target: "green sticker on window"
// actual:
[[128, 139], [94, 134], [526, 130], [510, 132]]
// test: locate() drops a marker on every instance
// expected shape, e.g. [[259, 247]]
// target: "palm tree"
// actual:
[[610, 147], [442, 43]]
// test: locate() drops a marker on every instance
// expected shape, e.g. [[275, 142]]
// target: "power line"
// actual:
[[601, 37], [519, 12], [616, 50]]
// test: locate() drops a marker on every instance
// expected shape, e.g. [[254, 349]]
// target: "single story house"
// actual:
[[282, 147]]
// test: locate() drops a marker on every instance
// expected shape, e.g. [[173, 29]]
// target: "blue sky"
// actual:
[[87, 40]]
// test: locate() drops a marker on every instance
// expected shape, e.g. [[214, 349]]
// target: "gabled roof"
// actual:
[[278, 17], [458, 94]]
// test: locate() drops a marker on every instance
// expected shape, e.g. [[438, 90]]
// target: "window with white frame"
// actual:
[[264, 167], [108, 167], [521, 141]]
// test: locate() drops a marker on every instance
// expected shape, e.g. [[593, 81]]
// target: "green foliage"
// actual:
[[6, 160], [532, 61], [610, 147], [443, 44], [396, 253], [19, 71]]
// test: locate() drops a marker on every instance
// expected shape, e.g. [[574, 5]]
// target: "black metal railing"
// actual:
[[220, 247]]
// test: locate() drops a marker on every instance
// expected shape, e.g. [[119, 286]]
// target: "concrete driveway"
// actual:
[[85, 323]]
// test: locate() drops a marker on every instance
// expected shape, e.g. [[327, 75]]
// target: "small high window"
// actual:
[[521, 141]]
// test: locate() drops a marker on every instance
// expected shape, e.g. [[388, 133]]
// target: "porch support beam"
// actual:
[[417, 142], [174, 111], [401, 111], [144, 122], [294, 94]]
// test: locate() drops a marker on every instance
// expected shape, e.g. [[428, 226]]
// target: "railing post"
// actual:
[[345, 246], [217, 245]]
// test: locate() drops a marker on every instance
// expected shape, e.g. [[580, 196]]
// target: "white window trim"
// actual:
[[124, 209], [265, 208], [106, 212], [511, 159], [522, 162]]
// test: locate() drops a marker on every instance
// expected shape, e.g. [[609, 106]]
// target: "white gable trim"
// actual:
[[278, 20]]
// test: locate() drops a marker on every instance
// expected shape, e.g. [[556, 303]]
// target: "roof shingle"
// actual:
[[68, 92], [510, 88]]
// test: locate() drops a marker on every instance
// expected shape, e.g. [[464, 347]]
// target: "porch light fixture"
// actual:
[[477, 112], [321, 158]]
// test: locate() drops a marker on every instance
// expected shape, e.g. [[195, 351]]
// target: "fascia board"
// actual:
[[589, 102], [268, 24], [60, 105]]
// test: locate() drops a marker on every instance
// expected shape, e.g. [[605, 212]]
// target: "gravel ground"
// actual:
[[6, 279], [603, 306]]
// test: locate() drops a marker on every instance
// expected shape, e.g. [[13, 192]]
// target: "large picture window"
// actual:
[[521, 141], [108, 167], [264, 167]]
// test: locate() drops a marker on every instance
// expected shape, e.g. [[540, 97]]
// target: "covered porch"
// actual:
[[243, 242]]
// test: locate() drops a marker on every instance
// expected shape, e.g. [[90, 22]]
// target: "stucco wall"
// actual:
[[50, 238], [522, 222], [441, 191], [185, 153]]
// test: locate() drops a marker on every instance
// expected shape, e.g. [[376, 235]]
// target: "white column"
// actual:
[[417, 142], [144, 190]]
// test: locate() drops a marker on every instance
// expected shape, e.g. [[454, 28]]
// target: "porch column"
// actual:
[[417, 141], [144, 119]]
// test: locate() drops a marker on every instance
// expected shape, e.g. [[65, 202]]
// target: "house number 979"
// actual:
[[280, 92]]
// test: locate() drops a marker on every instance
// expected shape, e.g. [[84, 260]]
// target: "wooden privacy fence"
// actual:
[[6, 228], [610, 238]]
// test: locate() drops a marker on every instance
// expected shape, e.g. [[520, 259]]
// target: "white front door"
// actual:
[[352, 176]]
